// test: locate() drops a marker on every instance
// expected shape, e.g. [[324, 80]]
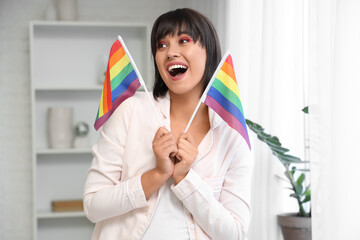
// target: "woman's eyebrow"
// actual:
[[184, 32]]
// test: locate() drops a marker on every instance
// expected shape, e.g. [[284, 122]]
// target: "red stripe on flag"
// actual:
[[116, 46], [107, 97], [229, 60]]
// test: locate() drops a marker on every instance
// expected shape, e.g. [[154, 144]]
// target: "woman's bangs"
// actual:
[[181, 26]]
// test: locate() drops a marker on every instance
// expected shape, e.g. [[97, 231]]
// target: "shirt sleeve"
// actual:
[[228, 217], [105, 195]]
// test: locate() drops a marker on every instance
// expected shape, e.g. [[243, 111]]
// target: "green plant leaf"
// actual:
[[300, 179], [287, 160], [294, 195], [282, 158], [254, 126], [272, 144], [275, 140], [299, 189], [299, 183], [279, 149], [290, 158], [248, 122], [307, 195], [305, 109], [276, 147], [264, 135]]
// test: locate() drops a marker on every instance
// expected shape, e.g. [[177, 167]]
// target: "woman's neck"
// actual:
[[183, 106], [181, 109]]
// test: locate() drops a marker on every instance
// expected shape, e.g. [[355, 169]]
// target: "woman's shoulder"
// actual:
[[125, 108], [138, 105], [139, 98]]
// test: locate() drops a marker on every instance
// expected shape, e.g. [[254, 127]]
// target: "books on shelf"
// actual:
[[67, 206]]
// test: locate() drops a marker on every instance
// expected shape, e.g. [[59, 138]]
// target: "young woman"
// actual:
[[156, 182]]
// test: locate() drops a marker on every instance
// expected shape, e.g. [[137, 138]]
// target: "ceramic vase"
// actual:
[[60, 129], [67, 10]]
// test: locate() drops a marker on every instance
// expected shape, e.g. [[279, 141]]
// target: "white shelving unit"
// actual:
[[67, 59]]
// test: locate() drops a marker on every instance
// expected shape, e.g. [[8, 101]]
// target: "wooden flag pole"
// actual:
[[140, 78], [203, 96]]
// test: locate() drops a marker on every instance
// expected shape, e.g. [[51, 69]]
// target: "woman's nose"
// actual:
[[173, 51]]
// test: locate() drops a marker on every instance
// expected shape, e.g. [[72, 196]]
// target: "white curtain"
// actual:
[[334, 84], [265, 38]]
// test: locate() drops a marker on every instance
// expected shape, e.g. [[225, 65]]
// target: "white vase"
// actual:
[[67, 10], [50, 12], [60, 127]]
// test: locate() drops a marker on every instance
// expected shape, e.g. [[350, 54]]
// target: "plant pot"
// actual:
[[294, 227]]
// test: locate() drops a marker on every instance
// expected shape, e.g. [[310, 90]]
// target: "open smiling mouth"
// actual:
[[177, 70]]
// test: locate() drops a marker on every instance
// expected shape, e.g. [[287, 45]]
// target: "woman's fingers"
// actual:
[[164, 145], [188, 147]]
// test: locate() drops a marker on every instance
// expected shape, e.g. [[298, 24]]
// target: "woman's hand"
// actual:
[[185, 157], [164, 146]]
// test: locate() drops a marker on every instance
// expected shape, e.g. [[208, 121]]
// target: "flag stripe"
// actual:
[[108, 93], [116, 56], [227, 105], [104, 101], [101, 106], [123, 86], [228, 82], [228, 118], [116, 81], [229, 61], [117, 67], [227, 68], [128, 93], [228, 94], [116, 46]]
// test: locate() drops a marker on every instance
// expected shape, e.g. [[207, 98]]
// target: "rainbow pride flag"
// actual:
[[121, 82], [222, 95]]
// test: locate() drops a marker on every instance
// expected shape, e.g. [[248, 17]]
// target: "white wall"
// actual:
[[15, 146]]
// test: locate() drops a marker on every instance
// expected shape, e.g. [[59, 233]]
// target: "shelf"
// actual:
[[50, 151], [49, 214], [87, 24], [81, 50], [67, 65], [69, 88]]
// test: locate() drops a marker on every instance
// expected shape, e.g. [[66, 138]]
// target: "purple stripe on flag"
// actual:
[[125, 95], [228, 118]]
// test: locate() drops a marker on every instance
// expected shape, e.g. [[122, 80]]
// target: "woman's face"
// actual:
[[181, 63]]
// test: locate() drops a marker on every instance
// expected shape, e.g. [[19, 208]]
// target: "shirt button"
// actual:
[[192, 226]]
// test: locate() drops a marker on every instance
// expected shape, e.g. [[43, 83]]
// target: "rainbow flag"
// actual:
[[222, 95], [121, 82]]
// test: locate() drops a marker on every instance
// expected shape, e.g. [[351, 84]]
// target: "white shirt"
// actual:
[[169, 219], [215, 193]]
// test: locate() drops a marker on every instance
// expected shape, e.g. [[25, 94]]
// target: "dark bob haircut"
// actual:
[[199, 28]]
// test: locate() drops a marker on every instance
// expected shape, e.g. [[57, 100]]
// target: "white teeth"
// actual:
[[176, 66]]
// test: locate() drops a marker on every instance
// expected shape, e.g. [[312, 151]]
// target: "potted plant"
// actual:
[[294, 226]]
